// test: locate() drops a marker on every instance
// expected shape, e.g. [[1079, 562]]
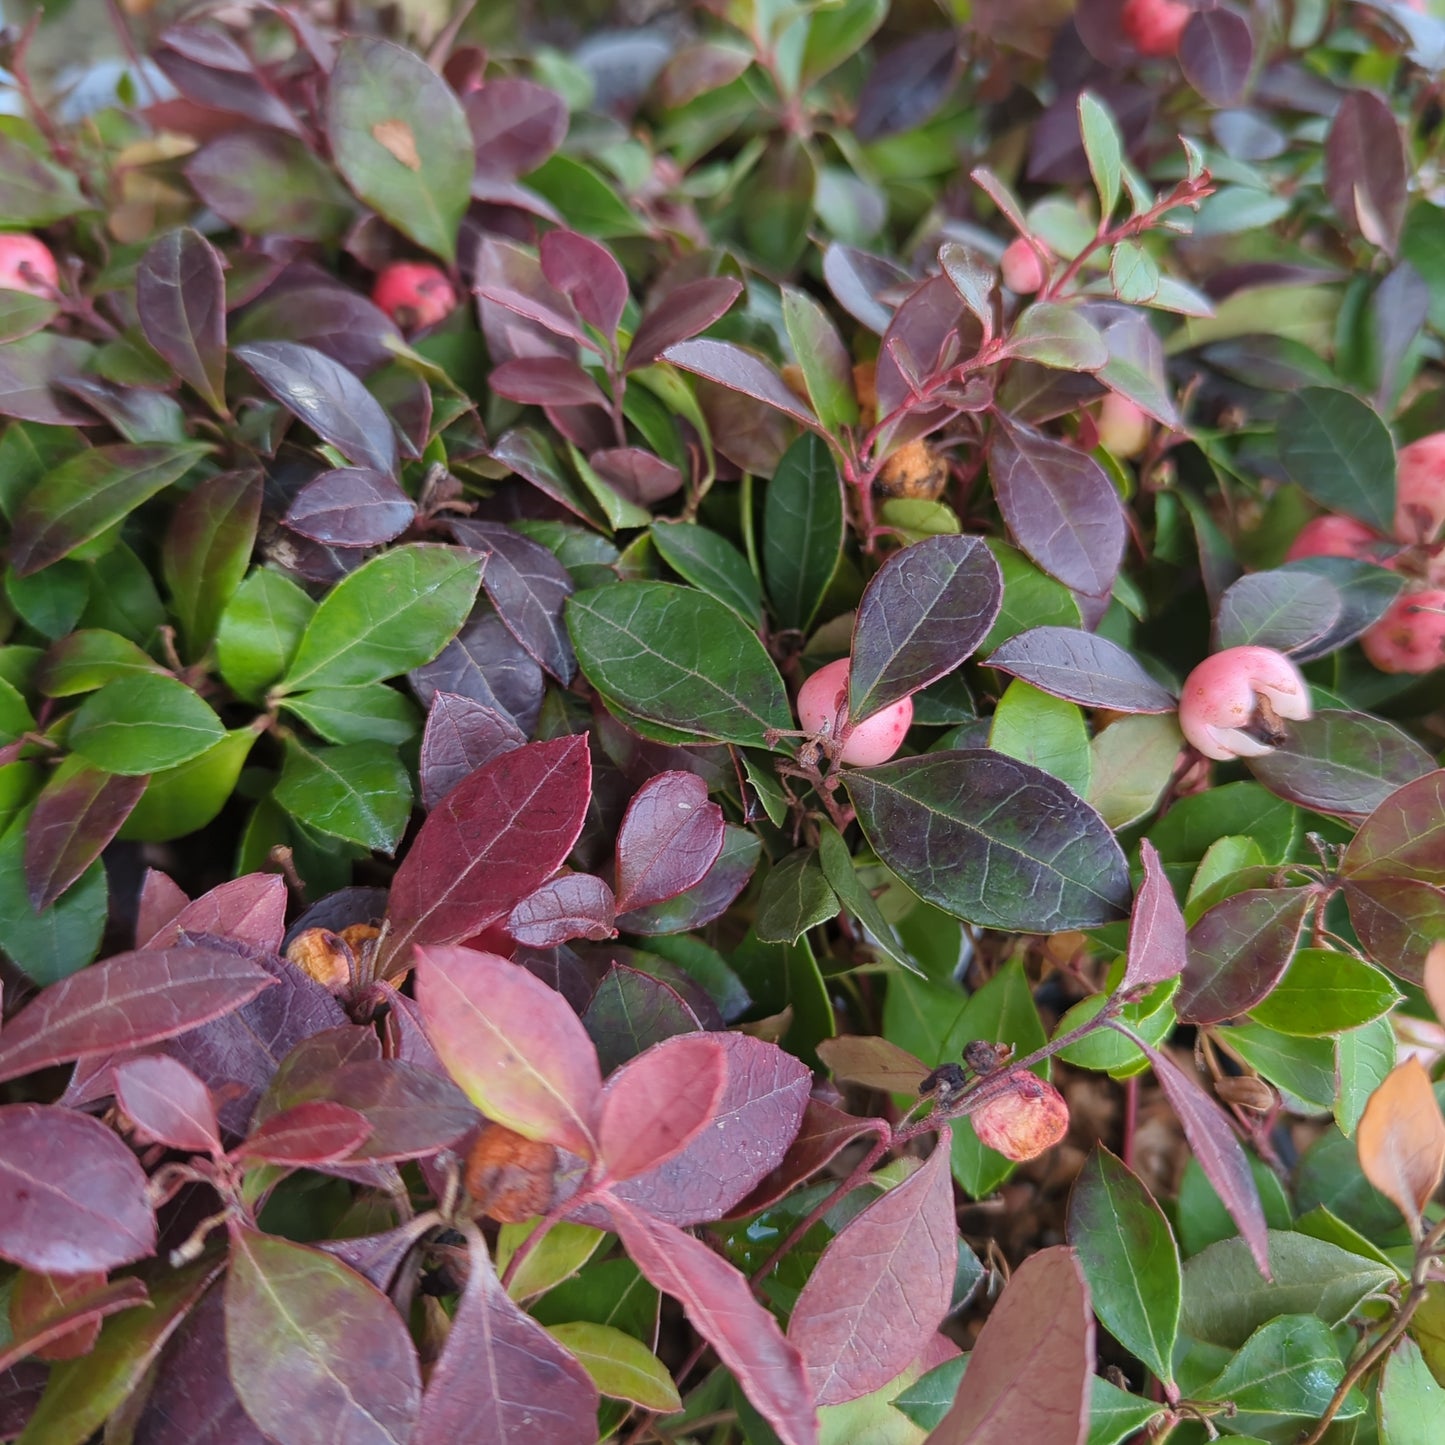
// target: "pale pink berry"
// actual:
[[1024, 1120], [1410, 637], [414, 294], [823, 712], [1334, 537], [1420, 489], [1153, 27], [27, 265], [1123, 427], [1232, 703], [1023, 271]]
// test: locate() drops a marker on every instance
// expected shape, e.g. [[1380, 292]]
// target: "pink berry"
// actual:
[[1420, 489], [823, 711], [1410, 637], [414, 294], [1153, 27], [1123, 427], [1029, 1117], [27, 265], [1022, 270], [1334, 537], [1231, 703]]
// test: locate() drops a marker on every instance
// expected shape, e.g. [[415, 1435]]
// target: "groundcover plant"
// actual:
[[727, 732]]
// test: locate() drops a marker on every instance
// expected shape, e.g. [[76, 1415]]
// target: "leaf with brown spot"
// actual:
[[1401, 1139], [396, 136]]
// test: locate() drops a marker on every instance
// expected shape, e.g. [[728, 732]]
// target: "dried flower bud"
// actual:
[[915, 470], [1232, 704], [508, 1177], [1246, 1093], [1029, 1116], [325, 956]]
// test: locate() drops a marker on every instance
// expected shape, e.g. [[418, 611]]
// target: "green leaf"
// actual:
[[48, 946], [360, 792], [185, 798], [33, 190], [375, 713], [15, 716], [1201, 1217], [584, 199], [1288, 1369], [1324, 992], [802, 530], [400, 138], [974, 281], [838, 32], [1031, 598], [90, 658], [392, 614], [1104, 149], [827, 371], [260, 630], [1302, 1068], [1363, 1058], [562, 1251], [1058, 336], [1339, 450], [1131, 763], [622, 1368], [1152, 1018], [88, 494], [711, 562], [853, 894], [1412, 1401], [1046, 731], [1115, 1414], [795, 896], [1133, 273], [777, 231], [143, 724], [1129, 1259], [678, 657], [51, 600]]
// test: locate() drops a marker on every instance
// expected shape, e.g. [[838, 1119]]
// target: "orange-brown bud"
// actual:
[[914, 470], [324, 955], [508, 1177], [1024, 1120]]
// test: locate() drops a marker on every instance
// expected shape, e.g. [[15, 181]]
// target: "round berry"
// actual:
[[1022, 270], [1024, 1120], [414, 294], [1231, 704], [1410, 637], [1334, 537], [1153, 27], [823, 711], [27, 265], [1123, 427], [1420, 489]]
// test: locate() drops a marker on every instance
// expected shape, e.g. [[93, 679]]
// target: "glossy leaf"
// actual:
[[516, 124], [250, 909], [670, 836], [1324, 992], [1398, 920], [1411, 1398], [854, 895], [586, 273], [77, 813], [181, 302], [460, 736], [795, 897], [710, 562], [1104, 148], [359, 792], [630, 1011], [823, 359], [1058, 336], [259, 631], [576, 905], [351, 507], [58, 1316], [270, 184], [485, 663], [316, 1132], [142, 724], [1340, 452], [680, 314], [1282, 610], [1044, 731], [1157, 949], [1084, 668], [1366, 168], [168, 1103], [621, 1367], [1239, 950], [1402, 837], [207, 549], [1401, 1139], [738, 370], [802, 530]]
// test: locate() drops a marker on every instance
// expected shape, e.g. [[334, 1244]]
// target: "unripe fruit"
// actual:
[[1334, 537], [1123, 427], [1420, 489], [27, 265], [1023, 272], [414, 294], [1153, 27], [1020, 1123], [1410, 637], [1232, 703], [823, 711]]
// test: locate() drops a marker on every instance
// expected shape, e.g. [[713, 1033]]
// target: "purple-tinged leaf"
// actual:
[[501, 1377], [696, 69], [486, 664], [31, 369], [126, 1001], [1030, 1372], [167, 1103], [738, 370], [1403, 837], [327, 397], [1287, 611], [823, 1134], [1366, 171], [316, 1353], [351, 507], [756, 1120], [77, 813], [881, 1288], [515, 124], [1157, 948], [1058, 336], [249, 909], [331, 318], [209, 67], [546, 381], [530, 455], [1083, 668], [669, 839], [1059, 505], [723, 1311], [1219, 1153], [708, 899], [1398, 921], [509, 277], [587, 273], [377, 1257], [630, 1011], [491, 841], [907, 84], [680, 315], [57, 1317], [319, 1131], [461, 736], [180, 294], [1216, 52], [515, 1047], [160, 903], [1239, 950], [639, 476], [528, 587], [270, 185], [21, 1388], [72, 1197], [575, 906], [925, 611], [858, 280]]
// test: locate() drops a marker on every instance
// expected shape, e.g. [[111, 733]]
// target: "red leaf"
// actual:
[[881, 1288], [546, 381], [669, 838], [501, 1377], [637, 474], [1029, 1376], [659, 1102], [72, 1197], [250, 909], [161, 900], [495, 838], [126, 1001], [822, 1134], [167, 1103], [507, 276], [575, 906], [57, 1317], [75, 816], [1238, 950], [319, 1132], [461, 735], [723, 1311], [1157, 931], [683, 312], [588, 275], [516, 124], [519, 1053]]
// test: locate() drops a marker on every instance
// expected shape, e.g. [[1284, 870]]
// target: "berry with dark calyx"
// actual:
[[414, 294], [1410, 637], [823, 711], [1232, 705], [1023, 1118], [27, 265]]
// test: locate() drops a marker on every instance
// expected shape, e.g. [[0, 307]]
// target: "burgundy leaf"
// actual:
[[31, 369], [546, 381], [516, 124], [318, 1132], [530, 455], [740, 371], [924, 331], [21, 1388], [881, 1288], [321, 313], [316, 1353], [669, 839], [1082, 668], [528, 587], [208, 67], [57, 1316], [72, 1197], [1207, 1128], [630, 1011], [314, 1059], [637, 474], [710, 898], [723, 1311], [1238, 951], [1059, 505], [823, 1133], [575, 906], [76, 815], [161, 900], [495, 838], [655, 1105], [249, 909], [1397, 920], [128, 1000], [1216, 51], [460, 736], [907, 84], [680, 314], [586, 273], [1157, 947], [858, 280], [1031, 1372], [1366, 172], [167, 1103], [377, 1257], [501, 1377], [486, 663], [351, 507], [508, 277], [180, 295]]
